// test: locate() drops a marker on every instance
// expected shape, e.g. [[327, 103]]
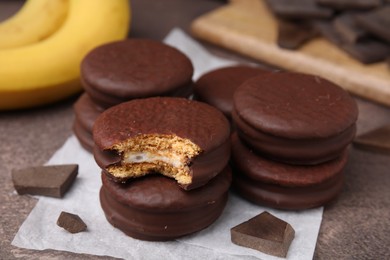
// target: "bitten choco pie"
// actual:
[[183, 139]]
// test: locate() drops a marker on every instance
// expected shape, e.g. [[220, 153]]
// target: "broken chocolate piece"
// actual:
[[298, 9], [51, 180], [366, 51], [346, 26], [71, 222], [265, 233], [293, 33], [350, 4], [376, 22], [377, 140]]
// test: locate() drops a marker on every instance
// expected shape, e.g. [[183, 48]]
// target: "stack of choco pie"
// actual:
[[290, 145], [164, 164], [124, 70]]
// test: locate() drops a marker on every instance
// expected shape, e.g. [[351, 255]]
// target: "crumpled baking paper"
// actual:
[[39, 230]]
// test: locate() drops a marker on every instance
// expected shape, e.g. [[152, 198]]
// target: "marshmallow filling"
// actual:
[[169, 155]]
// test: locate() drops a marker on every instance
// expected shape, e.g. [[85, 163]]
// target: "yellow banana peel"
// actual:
[[49, 70], [34, 22]]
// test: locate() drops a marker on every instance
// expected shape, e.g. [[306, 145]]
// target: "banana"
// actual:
[[35, 21], [48, 71]]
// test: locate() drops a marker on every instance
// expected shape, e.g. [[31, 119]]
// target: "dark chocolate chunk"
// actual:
[[346, 26], [71, 222], [367, 51], [350, 4], [288, 198], [376, 22], [298, 9], [265, 233], [327, 30], [377, 140], [293, 33], [51, 180]]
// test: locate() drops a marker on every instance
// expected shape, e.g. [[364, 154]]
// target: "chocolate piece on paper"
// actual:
[[367, 51], [51, 180], [377, 140], [265, 233], [376, 22], [71, 222], [294, 33], [298, 9], [345, 24], [350, 4]]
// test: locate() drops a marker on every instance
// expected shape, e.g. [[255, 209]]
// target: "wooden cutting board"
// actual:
[[248, 27]]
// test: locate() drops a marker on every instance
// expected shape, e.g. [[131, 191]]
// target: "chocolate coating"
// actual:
[[136, 68], [291, 198], [295, 118], [294, 105], [107, 100], [86, 111], [200, 123], [155, 208], [295, 151], [84, 136], [217, 86], [193, 120], [260, 169]]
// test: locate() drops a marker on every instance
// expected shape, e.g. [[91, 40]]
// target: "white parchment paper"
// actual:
[[39, 231]]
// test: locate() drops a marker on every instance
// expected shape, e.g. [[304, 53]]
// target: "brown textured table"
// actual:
[[357, 226]]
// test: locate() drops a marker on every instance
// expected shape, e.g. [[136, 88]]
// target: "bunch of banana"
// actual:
[[38, 72]]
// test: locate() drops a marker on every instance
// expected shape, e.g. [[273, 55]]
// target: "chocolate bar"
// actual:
[[265, 233], [51, 180]]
